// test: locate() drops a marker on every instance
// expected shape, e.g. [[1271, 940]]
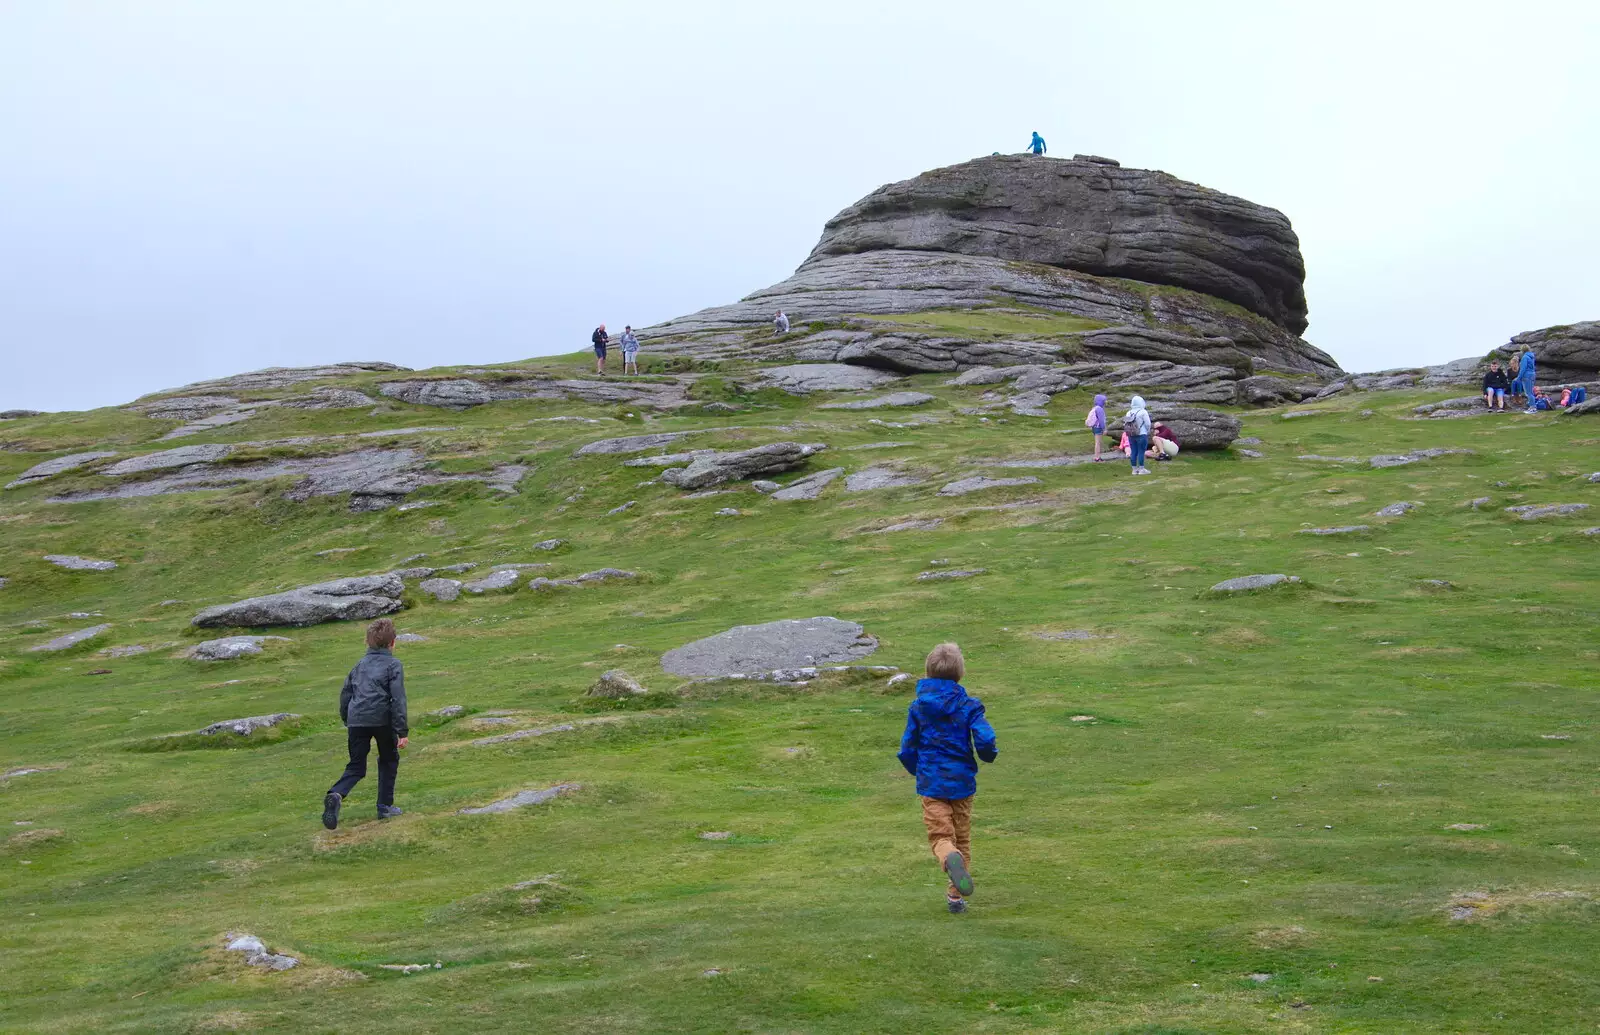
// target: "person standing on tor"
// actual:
[[630, 350], [1036, 145], [600, 339], [780, 323]]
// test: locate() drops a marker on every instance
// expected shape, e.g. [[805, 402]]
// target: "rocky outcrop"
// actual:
[[283, 377], [805, 378], [230, 647], [717, 468], [1133, 223], [809, 487], [360, 597], [71, 639], [1565, 352], [51, 468], [879, 402], [1168, 270], [462, 393], [1196, 428], [72, 562]]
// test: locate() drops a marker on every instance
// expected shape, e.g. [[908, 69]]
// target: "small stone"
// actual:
[[1067, 634], [898, 678], [765, 487], [1481, 501], [1339, 530], [1374, 978], [879, 478], [727, 512], [929, 576], [502, 579], [449, 711], [1245, 583], [246, 726], [616, 684], [1397, 509], [409, 637], [910, 526], [1296, 414], [1555, 736], [809, 487], [1259, 979], [229, 647], [1083, 718], [1250, 453], [75, 563], [626, 506], [1439, 583], [715, 835], [1466, 826], [246, 943], [273, 961], [549, 544]]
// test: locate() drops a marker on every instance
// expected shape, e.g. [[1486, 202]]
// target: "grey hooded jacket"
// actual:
[[374, 693]]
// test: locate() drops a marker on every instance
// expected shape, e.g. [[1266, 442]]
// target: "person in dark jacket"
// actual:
[[1495, 386], [372, 705], [600, 339], [944, 726]]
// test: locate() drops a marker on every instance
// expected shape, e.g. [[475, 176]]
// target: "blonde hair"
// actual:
[[380, 633], [945, 662]]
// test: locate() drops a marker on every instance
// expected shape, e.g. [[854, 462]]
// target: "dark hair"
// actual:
[[381, 633]]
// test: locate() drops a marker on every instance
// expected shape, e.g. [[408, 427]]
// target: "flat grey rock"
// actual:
[[522, 799], [1296, 414], [1591, 531], [462, 393], [805, 378], [245, 727], [951, 573], [71, 639], [1068, 634], [879, 478], [549, 544], [502, 579], [230, 647], [809, 487], [330, 398], [1330, 459], [539, 731], [1245, 583], [670, 459], [1465, 402], [1255, 454], [623, 508], [615, 684], [586, 579], [360, 597], [927, 525], [1040, 462], [784, 644], [765, 487], [1401, 459], [449, 711], [1339, 530], [978, 483], [992, 375], [73, 562], [1533, 512], [1250, 440], [707, 471], [284, 377], [414, 573], [878, 402], [1397, 509], [727, 512], [630, 444], [410, 638], [457, 569], [60, 465], [441, 589], [1481, 501], [183, 456]]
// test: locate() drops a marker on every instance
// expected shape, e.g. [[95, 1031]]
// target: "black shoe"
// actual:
[[330, 810], [956, 905], [388, 811], [956, 867]]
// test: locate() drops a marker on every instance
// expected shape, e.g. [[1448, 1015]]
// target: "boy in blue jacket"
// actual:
[[943, 727]]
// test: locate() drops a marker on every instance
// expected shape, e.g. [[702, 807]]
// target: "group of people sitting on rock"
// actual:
[[1140, 435], [630, 349], [1496, 386]]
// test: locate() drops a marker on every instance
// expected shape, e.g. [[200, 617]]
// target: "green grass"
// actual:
[[1265, 787]]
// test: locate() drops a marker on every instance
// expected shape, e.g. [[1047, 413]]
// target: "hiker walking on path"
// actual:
[[600, 339], [780, 323], [1036, 145], [1137, 425], [372, 705], [1096, 423], [630, 350], [943, 727]]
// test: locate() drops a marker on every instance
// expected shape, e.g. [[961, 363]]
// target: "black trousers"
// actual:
[[361, 738]]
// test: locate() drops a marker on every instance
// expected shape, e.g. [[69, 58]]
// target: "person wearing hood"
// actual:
[[1096, 423], [1137, 424], [944, 727]]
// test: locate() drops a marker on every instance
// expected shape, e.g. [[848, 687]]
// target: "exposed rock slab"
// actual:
[[951, 573], [878, 402], [789, 643], [630, 443], [1196, 428], [360, 597], [246, 726], [926, 525], [462, 393], [230, 647], [616, 684], [1339, 530], [809, 487], [805, 378], [441, 589], [1564, 352], [72, 562], [707, 471], [522, 799], [502, 579], [586, 579], [71, 639], [1401, 459], [284, 377], [880, 478], [1246, 583], [1533, 512], [1399, 509], [60, 465], [979, 483], [182, 456]]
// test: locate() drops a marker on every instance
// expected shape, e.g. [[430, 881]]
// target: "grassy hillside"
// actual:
[[1211, 814]]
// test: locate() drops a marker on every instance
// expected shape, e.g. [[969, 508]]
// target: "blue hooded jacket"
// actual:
[[1525, 371], [943, 726]]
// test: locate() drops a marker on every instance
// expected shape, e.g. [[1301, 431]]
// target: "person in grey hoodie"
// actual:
[[1137, 424], [372, 705]]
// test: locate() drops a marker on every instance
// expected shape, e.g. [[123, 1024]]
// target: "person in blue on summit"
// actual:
[[1036, 145], [944, 726]]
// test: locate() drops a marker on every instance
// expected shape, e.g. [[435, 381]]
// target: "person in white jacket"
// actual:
[[780, 323], [1137, 424]]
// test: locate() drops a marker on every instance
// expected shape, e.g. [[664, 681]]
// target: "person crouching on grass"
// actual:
[[943, 727], [372, 705]]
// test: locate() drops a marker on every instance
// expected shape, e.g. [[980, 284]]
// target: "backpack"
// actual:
[[1088, 420]]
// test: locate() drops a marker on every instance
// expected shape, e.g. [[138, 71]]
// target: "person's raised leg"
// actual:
[[961, 820], [937, 817], [358, 741]]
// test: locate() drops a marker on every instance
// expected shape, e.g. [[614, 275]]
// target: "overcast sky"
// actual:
[[189, 190]]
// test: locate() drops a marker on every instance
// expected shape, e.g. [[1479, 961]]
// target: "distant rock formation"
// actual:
[[1154, 267], [1565, 352]]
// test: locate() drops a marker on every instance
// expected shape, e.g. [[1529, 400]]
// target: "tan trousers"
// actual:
[[949, 823]]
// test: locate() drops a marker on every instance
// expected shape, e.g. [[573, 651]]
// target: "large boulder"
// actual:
[[1088, 216], [1565, 352], [361, 597], [805, 378], [1195, 427], [706, 471], [787, 644]]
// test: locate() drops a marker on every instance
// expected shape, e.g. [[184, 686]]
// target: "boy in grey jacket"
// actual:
[[372, 705]]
